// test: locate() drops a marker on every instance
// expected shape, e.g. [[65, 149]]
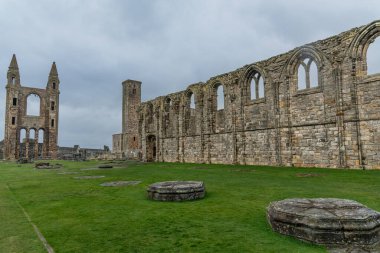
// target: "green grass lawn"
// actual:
[[81, 216]]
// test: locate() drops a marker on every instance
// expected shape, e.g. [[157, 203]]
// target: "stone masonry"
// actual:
[[312, 106], [126, 144], [17, 120]]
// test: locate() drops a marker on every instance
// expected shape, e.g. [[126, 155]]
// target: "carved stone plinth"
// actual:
[[176, 190], [326, 221]]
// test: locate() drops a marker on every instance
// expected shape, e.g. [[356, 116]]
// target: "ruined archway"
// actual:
[[151, 149]]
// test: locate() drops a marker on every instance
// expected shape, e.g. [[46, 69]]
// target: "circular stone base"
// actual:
[[176, 190], [120, 183], [329, 221]]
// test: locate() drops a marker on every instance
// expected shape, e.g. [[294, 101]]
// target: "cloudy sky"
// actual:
[[166, 44]]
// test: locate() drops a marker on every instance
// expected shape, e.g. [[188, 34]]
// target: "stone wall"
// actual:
[[319, 108], [117, 145], [44, 125]]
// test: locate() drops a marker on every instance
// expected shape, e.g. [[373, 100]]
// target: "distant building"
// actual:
[[78, 153]]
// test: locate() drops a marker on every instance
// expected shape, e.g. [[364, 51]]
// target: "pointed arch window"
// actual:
[[192, 101], [307, 74], [256, 86], [373, 60], [219, 97], [189, 113]]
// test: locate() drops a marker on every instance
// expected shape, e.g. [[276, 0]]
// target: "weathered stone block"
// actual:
[[326, 221], [176, 190]]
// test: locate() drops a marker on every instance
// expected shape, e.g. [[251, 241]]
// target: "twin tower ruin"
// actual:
[[31, 136], [315, 105]]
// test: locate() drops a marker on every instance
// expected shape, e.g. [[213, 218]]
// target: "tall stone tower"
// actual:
[[130, 120], [41, 130]]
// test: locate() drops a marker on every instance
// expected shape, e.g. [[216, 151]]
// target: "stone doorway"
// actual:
[[151, 148]]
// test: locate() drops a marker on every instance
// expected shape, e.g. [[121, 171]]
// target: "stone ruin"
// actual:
[[335, 223], [31, 136], [176, 190], [120, 183], [47, 165], [316, 105]]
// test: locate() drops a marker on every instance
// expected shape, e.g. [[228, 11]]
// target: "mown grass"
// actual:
[[81, 216]]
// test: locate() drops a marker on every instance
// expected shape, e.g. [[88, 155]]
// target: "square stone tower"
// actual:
[[31, 136]]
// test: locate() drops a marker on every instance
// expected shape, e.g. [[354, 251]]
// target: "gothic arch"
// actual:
[[189, 116], [360, 45], [297, 59], [246, 79], [215, 101]]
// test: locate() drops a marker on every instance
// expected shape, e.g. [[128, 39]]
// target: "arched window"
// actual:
[[33, 105], [32, 135], [256, 86], [41, 133], [307, 74], [192, 101], [189, 114], [13, 80], [219, 97], [373, 59], [32, 141], [22, 142], [313, 75], [22, 135], [41, 141]]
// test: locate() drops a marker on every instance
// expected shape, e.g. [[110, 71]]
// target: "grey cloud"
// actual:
[[166, 44]]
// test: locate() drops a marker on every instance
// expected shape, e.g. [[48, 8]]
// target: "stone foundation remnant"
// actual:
[[314, 106], [46, 165], [105, 166], [331, 222], [176, 190], [89, 177], [120, 183]]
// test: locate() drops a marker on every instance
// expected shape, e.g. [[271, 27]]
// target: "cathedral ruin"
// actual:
[[315, 105], [30, 136]]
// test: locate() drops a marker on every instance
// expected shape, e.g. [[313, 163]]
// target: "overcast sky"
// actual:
[[165, 44]]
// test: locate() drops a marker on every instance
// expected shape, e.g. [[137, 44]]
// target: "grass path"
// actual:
[[16, 232]]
